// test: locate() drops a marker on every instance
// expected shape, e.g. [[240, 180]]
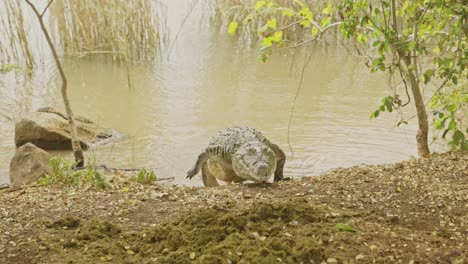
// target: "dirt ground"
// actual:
[[408, 212]]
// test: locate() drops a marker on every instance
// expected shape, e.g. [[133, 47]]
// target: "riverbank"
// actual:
[[407, 212]]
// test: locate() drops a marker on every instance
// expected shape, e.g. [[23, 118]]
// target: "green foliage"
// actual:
[[232, 28], [446, 106], [145, 176], [64, 173], [388, 103], [271, 21]]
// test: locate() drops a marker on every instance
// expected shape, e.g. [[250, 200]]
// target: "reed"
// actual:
[[125, 29], [14, 44]]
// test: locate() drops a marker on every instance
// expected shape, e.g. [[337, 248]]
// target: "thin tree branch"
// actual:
[[290, 25], [34, 8], [76, 146], [312, 39], [406, 86], [306, 62], [45, 9]]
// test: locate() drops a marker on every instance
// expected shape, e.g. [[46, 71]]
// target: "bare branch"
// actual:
[[45, 9], [306, 63], [34, 8], [321, 31], [76, 146], [290, 25]]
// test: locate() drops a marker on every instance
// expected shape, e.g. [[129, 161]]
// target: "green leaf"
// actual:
[[375, 114], [327, 10], [440, 123], [452, 124], [259, 5], [389, 104], [445, 133], [314, 31], [232, 28], [428, 75], [305, 23], [464, 145], [267, 42], [271, 23], [361, 38], [344, 227], [288, 12], [326, 21], [377, 61], [458, 137], [277, 36]]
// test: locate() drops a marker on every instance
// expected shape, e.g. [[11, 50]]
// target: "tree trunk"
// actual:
[[405, 62], [423, 124], [77, 151]]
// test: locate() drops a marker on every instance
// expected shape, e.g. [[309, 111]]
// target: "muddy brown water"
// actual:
[[205, 81]]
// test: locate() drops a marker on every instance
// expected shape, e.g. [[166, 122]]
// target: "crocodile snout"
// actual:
[[262, 171]]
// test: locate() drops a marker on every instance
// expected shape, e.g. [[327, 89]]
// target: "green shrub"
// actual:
[[65, 173], [145, 176]]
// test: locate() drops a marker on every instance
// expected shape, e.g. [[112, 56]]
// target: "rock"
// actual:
[[49, 129], [29, 164]]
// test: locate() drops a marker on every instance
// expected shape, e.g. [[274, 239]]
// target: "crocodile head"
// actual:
[[254, 161]]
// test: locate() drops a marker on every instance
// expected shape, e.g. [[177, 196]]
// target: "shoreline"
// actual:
[[400, 212]]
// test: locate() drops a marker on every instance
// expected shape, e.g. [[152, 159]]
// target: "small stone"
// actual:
[[332, 260], [247, 196], [192, 255], [359, 257]]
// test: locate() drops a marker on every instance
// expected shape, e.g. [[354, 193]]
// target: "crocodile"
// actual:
[[238, 154]]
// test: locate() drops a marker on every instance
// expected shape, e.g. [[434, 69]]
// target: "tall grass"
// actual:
[[14, 44], [126, 29]]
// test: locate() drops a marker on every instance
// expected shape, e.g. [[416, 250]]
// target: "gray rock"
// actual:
[[29, 164], [50, 130]]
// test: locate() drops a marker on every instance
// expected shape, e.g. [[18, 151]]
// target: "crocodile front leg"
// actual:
[[280, 160], [203, 158], [209, 180]]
